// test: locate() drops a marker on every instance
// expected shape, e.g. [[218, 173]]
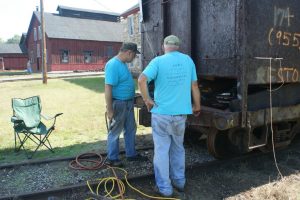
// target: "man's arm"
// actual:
[[144, 91], [196, 98], [108, 99]]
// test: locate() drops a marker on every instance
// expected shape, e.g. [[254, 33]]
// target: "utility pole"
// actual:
[[44, 53]]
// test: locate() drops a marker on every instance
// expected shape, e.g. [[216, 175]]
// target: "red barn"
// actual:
[[12, 57], [76, 39]]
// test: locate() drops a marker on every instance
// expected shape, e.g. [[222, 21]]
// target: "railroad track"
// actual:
[[22, 167], [81, 191]]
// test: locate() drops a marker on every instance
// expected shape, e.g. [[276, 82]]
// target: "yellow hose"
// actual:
[[121, 185]]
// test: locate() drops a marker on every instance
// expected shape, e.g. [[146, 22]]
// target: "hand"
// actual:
[[149, 103], [196, 110], [110, 114]]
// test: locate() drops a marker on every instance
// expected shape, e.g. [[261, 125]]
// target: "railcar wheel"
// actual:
[[218, 143], [239, 140]]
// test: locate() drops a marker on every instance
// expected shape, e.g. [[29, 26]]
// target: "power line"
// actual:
[[103, 6]]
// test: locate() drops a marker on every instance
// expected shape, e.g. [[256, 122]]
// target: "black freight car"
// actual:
[[247, 54]]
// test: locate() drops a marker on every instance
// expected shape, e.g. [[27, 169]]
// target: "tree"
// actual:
[[14, 40]]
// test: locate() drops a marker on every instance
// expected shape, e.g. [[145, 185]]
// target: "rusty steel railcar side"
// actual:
[[243, 49]]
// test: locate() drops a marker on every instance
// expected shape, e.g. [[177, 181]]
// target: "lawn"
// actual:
[[80, 129], [13, 73]]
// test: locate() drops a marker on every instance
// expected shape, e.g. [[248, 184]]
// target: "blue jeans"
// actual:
[[169, 153], [123, 120], [29, 70]]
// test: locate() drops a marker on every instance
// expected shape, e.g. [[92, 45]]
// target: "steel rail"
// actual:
[[51, 160], [83, 187]]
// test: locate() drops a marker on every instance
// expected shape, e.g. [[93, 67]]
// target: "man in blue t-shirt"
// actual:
[[119, 94], [174, 76]]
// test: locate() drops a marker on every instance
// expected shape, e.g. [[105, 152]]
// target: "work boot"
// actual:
[[178, 187], [114, 163], [156, 190]]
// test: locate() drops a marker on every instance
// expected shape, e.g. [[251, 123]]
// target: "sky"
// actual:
[[15, 15]]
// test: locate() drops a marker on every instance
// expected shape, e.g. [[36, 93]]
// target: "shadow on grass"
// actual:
[[8, 155], [92, 83], [13, 73]]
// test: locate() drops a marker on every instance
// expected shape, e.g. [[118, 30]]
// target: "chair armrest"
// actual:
[[58, 114], [14, 119], [49, 118]]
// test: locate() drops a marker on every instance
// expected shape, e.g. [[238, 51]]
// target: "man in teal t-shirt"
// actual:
[[119, 94], [175, 79]]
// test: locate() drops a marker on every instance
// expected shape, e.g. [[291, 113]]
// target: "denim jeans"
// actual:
[[123, 120], [169, 153]]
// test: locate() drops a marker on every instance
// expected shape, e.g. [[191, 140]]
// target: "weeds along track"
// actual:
[[54, 160]]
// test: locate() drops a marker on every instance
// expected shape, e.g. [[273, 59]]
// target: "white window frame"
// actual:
[[38, 50], [130, 21], [87, 56], [110, 51], [65, 56], [140, 23], [39, 33], [34, 34]]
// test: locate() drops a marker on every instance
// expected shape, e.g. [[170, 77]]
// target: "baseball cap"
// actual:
[[129, 46], [172, 39]]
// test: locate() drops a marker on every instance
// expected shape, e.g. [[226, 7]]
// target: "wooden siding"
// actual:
[[32, 46], [14, 61], [76, 49]]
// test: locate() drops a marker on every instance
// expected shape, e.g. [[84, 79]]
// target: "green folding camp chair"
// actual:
[[27, 124]]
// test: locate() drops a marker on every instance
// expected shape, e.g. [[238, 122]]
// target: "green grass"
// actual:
[[80, 129], [13, 73]]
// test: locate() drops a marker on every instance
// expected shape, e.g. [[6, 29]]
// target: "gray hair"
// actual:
[[171, 47]]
